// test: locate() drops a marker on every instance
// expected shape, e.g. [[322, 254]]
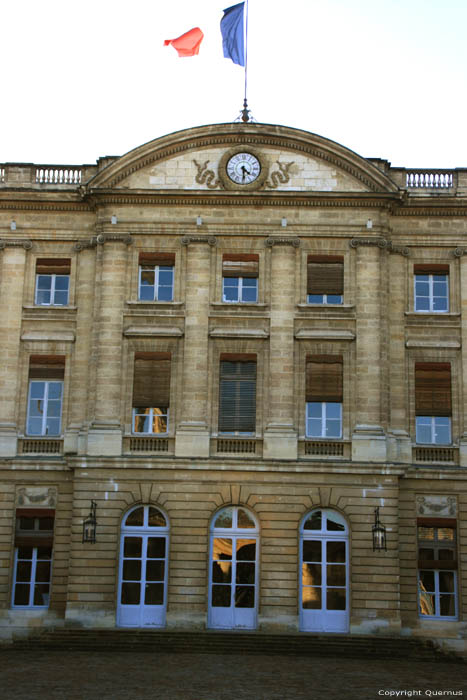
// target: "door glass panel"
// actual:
[[155, 570], [447, 605], [446, 582], [154, 594], [245, 573], [244, 596], [313, 522], [41, 594], [244, 519], [23, 571], [24, 552], [135, 518], [427, 580], [311, 574], [335, 575], [222, 548], [222, 571], [130, 593], [132, 569], [21, 594], [43, 571], [156, 518], [335, 598], [335, 551], [220, 596], [427, 603], [311, 598], [132, 547], [44, 552], [224, 519], [311, 550], [156, 547], [246, 550]]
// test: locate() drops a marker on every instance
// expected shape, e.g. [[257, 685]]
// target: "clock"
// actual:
[[243, 168]]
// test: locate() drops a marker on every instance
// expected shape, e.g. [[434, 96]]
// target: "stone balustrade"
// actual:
[[430, 179]]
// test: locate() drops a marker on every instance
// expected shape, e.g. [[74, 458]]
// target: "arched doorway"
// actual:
[[142, 586], [324, 581], [233, 578]]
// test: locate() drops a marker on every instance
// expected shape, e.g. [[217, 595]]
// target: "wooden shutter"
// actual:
[[53, 266], [237, 396], [151, 381], [47, 367], [433, 389], [325, 274], [155, 258], [324, 378], [431, 269], [240, 265], [33, 538]]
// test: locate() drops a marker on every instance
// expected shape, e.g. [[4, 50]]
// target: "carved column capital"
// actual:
[[376, 241], [210, 240], [271, 241], [102, 238], [459, 252], [16, 243]]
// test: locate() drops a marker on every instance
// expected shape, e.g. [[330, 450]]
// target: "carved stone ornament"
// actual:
[[210, 240], [206, 176], [437, 506], [281, 176], [82, 245], [459, 252], [272, 241], [382, 243], [36, 496], [102, 238], [16, 243]]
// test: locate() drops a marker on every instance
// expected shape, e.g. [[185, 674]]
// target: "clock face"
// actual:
[[243, 168]]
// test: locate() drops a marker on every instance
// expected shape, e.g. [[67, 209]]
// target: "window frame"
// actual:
[[437, 566], [431, 297], [323, 419], [45, 399], [325, 301], [433, 429], [151, 416], [53, 276], [240, 286], [156, 268]]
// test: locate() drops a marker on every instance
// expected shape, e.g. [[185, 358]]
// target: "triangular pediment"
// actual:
[[289, 160]]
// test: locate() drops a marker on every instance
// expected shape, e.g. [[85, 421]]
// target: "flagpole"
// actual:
[[245, 111]]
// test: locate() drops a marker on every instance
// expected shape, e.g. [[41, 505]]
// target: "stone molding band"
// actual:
[[272, 241], [16, 243], [382, 243], [210, 240]]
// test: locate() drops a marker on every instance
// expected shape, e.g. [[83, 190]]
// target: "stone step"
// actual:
[[160, 641]]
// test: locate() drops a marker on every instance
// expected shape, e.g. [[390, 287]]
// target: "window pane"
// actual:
[[61, 298], [135, 519], [62, 282], [155, 570], [315, 427], [165, 276], [22, 592], [224, 518], [222, 549], [446, 581], [333, 523], [244, 520], [159, 420], [426, 533], [37, 390], [221, 596], [447, 605], [424, 553], [23, 571], [146, 293], [130, 593], [442, 434], [311, 550], [423, 430], [335, 551], [230, 288], [315, 409], [54, 408], [335, 598], [334, 299], [250, 289], [24, 552], [244, 596], [44, 553], [34, 426], [333, 428], [422, 303], [165, 293], [315, 298], [445, 534], [53, 426], [445, 555], [55, 390], [131, 570], [246, 550], [335, 575], [132, 546], [221, 571], [426, 603], [154, 594], [427, 581], [43, 571], [142, 421], [245, 573], [41, 594], [44, 282], [156, 518], [311, 574], [156, 547], [313, 522], [311, 598]]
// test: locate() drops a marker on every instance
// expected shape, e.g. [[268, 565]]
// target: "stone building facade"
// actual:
[[238, 341]]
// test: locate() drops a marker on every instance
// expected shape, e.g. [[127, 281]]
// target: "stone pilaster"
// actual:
[[192, 435], [280, 437], [399, 442], [368, 439], [75, 434], [105, 433], [461, 252], [13, 260]]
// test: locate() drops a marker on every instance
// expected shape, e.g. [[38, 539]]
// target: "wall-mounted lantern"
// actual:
[[90, 525], [379, 534]]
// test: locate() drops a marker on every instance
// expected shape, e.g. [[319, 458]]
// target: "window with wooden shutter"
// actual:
[[324, 388], [237, 396], [46, 374], [151, 392], [52, 281], [433, 404], [325, 279], [240, 277], [156, 276]]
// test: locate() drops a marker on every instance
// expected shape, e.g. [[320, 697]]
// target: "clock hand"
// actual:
[[245, 171]]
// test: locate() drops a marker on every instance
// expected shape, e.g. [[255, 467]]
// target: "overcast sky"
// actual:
[[386, 78]]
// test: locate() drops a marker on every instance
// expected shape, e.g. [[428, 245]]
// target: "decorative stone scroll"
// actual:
[[102, 238], [206, 176], [81, 245], [441, 506], [210, 240], [459, 252], [37, 496], [382, 243], [281, 176], [272, 241], [16, 243]]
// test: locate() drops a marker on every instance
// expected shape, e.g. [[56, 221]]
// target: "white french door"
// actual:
[[233, 596], [324, 588], [142, 590]]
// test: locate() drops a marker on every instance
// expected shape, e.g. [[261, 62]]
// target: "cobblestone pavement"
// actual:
[[130, 676]]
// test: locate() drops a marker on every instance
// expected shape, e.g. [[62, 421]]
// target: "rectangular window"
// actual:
[[33, 557], [45, 395], [156, 276], [237, 396], [52, 281], [325, 279], [433, 406], [324, 381], [431, 288], [240, 278], [437, 565], [151, 393]]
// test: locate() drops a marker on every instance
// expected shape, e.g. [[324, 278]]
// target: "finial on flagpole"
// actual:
[[245, 112]]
